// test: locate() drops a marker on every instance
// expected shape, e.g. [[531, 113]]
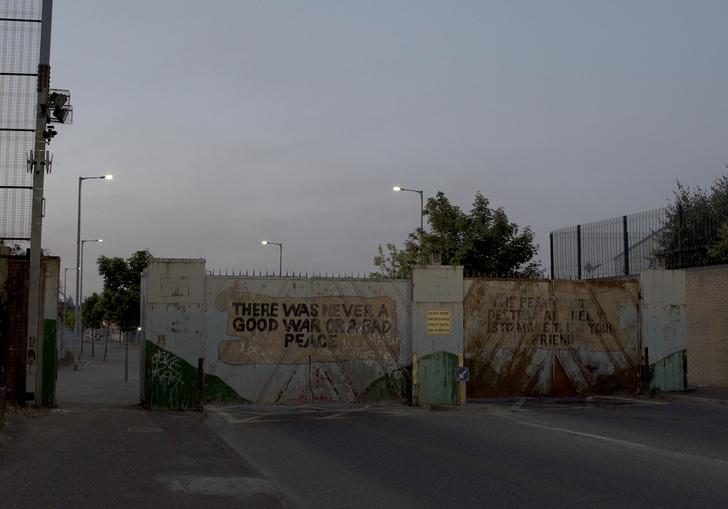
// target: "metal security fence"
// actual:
[[20, 34], [612, 247]]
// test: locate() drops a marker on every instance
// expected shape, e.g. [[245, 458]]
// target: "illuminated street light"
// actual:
[[280, 254], [77, 328], [422, 202]]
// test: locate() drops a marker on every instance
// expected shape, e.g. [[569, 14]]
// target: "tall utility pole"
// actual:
[[35, 339]]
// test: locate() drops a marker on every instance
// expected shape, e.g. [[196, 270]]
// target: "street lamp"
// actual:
[[80, 303], [77, 327], [422, 202], [280, 254]]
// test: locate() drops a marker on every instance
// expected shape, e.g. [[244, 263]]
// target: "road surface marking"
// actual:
[[627, 443], [345, 412], [586, 435]]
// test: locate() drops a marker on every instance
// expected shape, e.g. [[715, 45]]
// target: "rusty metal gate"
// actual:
[[535, 337]]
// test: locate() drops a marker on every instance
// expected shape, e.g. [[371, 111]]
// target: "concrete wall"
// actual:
[[51, 268], [526, 337], [664, 328], [272, 339], [707, 325], [437, 295], [173, 325], [295, 340]]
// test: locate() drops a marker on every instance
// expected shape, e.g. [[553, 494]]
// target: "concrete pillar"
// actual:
[[52, 276], [437, 334]]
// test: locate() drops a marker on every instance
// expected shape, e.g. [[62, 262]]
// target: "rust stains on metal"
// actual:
[[534, 337]]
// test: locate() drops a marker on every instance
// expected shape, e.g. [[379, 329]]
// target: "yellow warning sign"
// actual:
[[439, 322]]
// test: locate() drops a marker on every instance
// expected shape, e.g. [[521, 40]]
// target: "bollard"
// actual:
[[200, 384]]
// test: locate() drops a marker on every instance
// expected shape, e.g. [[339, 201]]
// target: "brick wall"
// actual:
[[14, 327], [707, 311]]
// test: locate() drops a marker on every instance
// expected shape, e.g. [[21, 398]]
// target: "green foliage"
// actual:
[[696, 231], [70, 321], [719, 250], [119, 300], [483, 241], [92, 313]]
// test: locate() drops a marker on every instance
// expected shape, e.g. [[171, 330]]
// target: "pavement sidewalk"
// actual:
[[704, 394], [113, 453]]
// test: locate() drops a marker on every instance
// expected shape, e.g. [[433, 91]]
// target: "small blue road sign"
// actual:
[[462, 374]]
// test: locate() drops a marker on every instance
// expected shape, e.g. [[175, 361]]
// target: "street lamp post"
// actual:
[[65, 303], [280, 254], [422, 202], [65, 293], [80, 303], [77, 326]]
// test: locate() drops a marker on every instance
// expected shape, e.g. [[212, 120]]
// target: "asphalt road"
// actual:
[[604, 453]]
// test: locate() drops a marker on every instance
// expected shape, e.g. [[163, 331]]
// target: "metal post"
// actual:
[[280, 260], [34, 343], [422, 202], [551, 247], [126, 356], [106, 343], [65, 298], [422, 210], [646, 370], [77, 325], [578, 251], [200, 384], [65, 303], [80, 302], [625, 235]]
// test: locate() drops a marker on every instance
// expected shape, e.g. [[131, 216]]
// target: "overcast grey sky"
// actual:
[[226, 122]]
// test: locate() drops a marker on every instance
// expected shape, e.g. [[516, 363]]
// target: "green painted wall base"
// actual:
[[436, 379], [670, 373], [395, 386], [50, 363], [171, 383]]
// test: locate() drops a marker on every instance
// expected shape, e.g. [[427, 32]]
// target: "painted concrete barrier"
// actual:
[[291, 340], [530, 338], [664, 328], [438, 333], [272, 339]]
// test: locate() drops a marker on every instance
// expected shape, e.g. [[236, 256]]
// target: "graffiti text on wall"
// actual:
[[290, 330], [542, 317]]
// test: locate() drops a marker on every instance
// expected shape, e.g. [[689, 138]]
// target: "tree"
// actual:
[[69, 312], [696, 230], [483, 241], [92, 314], [119, 301]]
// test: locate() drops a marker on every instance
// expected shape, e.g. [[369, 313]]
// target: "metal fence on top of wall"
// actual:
[[613, 247], [20, 31]]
